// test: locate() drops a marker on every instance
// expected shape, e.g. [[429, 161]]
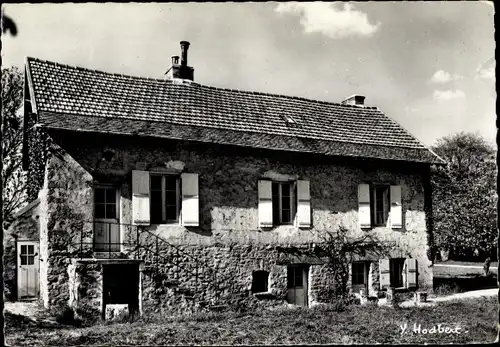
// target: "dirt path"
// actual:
[[457, 296]]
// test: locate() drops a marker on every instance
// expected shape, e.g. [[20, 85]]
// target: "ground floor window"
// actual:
[[396, 266], [359, 278], [260, 281]]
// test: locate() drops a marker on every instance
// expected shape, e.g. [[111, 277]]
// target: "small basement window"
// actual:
[[260, 281]]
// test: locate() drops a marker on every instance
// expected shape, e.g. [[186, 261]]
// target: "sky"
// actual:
[[428, 65]]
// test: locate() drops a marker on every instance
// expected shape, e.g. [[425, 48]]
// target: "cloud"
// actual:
[[448, 94], [329, 20], [487, 70], [441, 77], [409, 109]]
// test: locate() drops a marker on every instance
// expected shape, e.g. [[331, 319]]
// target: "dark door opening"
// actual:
[[297, 284], [396, 268], [121, 286]]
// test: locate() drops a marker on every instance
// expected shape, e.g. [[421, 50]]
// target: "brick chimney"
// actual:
[[182, 70], [357, 100]]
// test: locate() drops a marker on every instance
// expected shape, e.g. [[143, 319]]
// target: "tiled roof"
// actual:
[[81, 99]]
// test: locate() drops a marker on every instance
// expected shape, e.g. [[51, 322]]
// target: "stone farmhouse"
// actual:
[[165, 195]]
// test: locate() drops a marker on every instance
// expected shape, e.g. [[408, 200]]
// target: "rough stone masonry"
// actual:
[[212, 263]]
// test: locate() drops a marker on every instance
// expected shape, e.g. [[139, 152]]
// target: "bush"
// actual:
[[65, 315], [445, 289]]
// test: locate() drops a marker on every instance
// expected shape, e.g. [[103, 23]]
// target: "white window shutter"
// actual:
[[303, 204], [140, 197], [411, 273], [364, 215], [385, 273], [190, 200], [265, 204], [396, 208]]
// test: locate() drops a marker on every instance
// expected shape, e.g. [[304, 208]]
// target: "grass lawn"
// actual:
[[476, 318]]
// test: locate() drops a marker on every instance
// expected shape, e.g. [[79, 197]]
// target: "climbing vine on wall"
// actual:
[[337, 250]]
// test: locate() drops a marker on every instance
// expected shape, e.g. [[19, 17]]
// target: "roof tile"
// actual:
[[67, 89]]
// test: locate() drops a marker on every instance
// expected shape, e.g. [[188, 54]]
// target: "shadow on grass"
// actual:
[[19, 322]]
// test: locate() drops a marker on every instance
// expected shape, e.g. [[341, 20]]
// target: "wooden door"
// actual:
[[28, 264], [106, 220], [297, 284]]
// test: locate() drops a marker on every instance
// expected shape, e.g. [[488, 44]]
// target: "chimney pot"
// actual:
[[184, 52], [182, 70]]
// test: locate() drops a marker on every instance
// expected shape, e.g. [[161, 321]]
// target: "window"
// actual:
[[165, 197], [260, 281], [27, 254], [396, 266], [295, 276], [105, 203], [283, 202], [358, 273], [380, 204]]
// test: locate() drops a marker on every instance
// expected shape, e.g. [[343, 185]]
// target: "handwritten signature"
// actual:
[[440, 328]]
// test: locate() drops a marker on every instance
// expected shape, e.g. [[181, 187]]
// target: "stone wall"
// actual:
[[229, 240], [85, 288], [25, 226], [65, 230]]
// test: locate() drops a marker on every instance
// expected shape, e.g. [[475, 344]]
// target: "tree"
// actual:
[[13, 179], [464, 196]]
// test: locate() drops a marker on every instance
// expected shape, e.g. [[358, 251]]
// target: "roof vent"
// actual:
[[356, 99]]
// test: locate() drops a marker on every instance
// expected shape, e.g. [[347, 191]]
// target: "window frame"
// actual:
[[279, 207], [116, 203], [386, 204], [27, 254], [163, 191], [363, 274]]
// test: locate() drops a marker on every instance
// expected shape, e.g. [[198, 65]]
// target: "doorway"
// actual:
[[121, 286], [297, 284], [28, 265], [106, 219]]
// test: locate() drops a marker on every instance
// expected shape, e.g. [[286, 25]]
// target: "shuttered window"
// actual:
[[303, 204], [398, 273], [190, 211], [380, 205], [396, 208], [265, 204], [283, 203], [411, 273], [384, 273], [364, 206], [140, 197], [165, 198]]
